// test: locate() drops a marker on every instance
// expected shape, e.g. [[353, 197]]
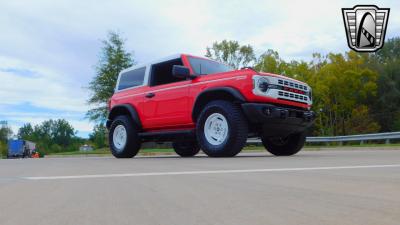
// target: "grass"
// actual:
[[353, 145], [251, 148], [106, 151], [94, 152]]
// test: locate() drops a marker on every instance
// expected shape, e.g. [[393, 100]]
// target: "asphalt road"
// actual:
[[313, 187]]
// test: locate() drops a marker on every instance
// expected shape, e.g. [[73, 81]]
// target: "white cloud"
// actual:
[[54, 94], [81, 126], [44, 89], [17, 119]]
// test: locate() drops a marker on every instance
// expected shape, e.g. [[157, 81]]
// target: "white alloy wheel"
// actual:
[[120, 137], [216, 129]]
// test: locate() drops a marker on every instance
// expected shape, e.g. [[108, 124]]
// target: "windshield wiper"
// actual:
[[248, 67]]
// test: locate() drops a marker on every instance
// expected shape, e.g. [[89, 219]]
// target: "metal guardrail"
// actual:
[[359, 137]]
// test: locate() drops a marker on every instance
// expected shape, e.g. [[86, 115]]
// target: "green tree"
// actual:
[[5, 134], [386, 108], [113, 59], [58, 132], [5, 131], [3, 150], [361, 121], [62, 133], [99, 136], [340, 86], [51, 135], [26, 132], [231, 53], [271, 62]]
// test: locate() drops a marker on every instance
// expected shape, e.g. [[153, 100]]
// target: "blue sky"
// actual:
[[49, 48]]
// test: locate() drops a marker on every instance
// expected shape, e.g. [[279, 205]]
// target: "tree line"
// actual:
[[52, 136], [59, 136]]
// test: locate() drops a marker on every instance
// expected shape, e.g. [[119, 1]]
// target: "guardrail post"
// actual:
[[361, 142], [387, 141]]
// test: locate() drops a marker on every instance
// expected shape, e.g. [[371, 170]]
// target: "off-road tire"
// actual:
[[133, 141], [237, 129], [285, 146], [186, 148]]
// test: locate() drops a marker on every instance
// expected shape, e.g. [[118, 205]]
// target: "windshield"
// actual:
[[204, 66]]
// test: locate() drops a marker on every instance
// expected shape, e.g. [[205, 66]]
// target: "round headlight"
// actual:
[[262, 84]]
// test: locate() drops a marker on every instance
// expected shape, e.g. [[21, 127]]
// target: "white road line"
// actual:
[[207, 172]]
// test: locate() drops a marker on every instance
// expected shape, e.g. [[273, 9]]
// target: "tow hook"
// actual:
[[308, 116], [284, 114]]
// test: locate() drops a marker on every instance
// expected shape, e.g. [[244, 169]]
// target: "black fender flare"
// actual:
[[123, 109], [223, 92]]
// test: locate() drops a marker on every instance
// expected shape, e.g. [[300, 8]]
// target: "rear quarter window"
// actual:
[[131, 78]]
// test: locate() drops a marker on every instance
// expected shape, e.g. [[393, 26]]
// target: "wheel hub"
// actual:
[[216, 129], [120, 137]]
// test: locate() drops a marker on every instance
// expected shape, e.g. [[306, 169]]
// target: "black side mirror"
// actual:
[[181, 72]]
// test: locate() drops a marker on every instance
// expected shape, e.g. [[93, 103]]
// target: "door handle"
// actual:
[[150, 95]]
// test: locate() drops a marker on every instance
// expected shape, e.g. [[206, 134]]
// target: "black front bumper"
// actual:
[[277, 120]]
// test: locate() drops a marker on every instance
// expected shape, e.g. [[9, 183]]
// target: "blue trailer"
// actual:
[[20, 148]]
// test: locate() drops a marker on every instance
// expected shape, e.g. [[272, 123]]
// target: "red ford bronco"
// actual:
[[197, 103]]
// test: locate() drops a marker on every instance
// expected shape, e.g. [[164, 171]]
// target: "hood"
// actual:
[[280, 76]]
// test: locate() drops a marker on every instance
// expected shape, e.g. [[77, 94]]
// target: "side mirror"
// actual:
[[181, 72]]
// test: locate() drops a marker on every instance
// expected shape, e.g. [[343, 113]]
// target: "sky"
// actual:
[[48, 49]]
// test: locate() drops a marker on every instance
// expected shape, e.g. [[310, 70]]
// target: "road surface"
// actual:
[[313, 187]]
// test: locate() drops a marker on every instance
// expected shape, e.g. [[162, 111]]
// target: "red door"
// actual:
[[167, 106]]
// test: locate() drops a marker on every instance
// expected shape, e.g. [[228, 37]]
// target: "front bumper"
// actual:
[[276, 120]]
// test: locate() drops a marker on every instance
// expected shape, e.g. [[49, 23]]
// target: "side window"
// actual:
[[161, 73], [131, 78]]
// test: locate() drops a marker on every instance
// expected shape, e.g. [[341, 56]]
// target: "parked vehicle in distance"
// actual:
[[20, 148], [197, 103], [86, 148]]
